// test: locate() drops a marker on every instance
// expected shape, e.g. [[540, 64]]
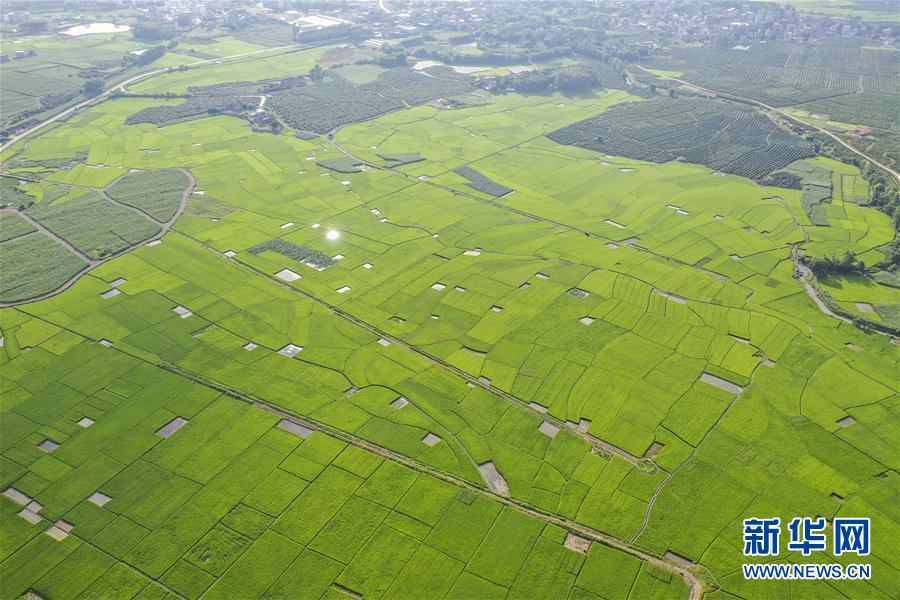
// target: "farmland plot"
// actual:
[[265, 65], [157, 193], [785, 74], [53, 74], [192, 108], [727, 137], [94, 225], [846, 80], [13, 226], [232, 504], [34, 264], [324, 106], [417, 87], [460, 336]]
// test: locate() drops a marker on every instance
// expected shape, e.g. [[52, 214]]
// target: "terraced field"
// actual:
[[507, 368]]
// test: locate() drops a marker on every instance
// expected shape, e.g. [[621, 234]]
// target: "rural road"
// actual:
[[881, 166], [805, 275], [121, 86]]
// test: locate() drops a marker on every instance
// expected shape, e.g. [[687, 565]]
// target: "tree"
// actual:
[[892, 254], [33, 26], [92, 87], [153, 31], [147, 56], [833, 265], [317, 73], [578, 78]]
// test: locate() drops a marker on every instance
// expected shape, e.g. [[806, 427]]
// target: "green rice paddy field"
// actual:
[[564, 332]]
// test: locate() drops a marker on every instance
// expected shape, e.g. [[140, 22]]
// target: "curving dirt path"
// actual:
[[93, 262], [807, 277]]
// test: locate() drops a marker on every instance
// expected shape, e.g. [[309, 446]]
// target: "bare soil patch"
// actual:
[[99, 498], [171, 427], [549, 429], [577, 543], [653, 450], [493, 478], [48, 445], [720, 383], [287, 275], [290, 350], [678, 559], [298, 429]]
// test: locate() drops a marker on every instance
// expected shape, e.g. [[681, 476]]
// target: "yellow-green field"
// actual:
[[594, 302]]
